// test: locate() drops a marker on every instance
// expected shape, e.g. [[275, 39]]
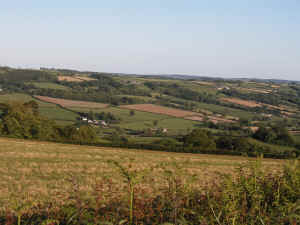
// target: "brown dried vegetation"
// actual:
[[49, 183]]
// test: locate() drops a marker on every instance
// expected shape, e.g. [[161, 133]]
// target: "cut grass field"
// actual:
[[71, 103], [40, 171], [179, 113], [75, 78], [69, 79], [250, 104], [161, 110]]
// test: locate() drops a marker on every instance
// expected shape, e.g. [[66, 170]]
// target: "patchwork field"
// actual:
[[69, 79], [83, 78], [255, 90], [195, 118], [250, 104], [220, 119], [160, 110], [39, 171], [71, 103], [75, 78], [143, 120], [213, 119], [187, 115]]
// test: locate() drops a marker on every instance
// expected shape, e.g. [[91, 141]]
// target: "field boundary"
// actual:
[[60, 106]]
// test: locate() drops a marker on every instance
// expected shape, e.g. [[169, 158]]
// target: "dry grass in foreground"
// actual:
[[42, 170]]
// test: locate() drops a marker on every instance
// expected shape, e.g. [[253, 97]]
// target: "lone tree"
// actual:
[[132, 112]]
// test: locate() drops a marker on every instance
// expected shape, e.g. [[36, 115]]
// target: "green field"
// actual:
[[173, 125], [49, 110], [200, 88], [48, 85], [124, 114], [15, 98], [142, 120], [144, 98]]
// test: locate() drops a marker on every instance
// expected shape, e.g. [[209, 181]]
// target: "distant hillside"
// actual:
[[159, 111]]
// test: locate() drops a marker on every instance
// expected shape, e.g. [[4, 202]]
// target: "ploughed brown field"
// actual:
[[161, 110], [71, 103], [251, 104]]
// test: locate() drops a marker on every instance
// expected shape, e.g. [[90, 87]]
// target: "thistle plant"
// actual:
[[132, 177]]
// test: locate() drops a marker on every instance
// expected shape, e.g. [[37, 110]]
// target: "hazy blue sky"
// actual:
[[231, 38]]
